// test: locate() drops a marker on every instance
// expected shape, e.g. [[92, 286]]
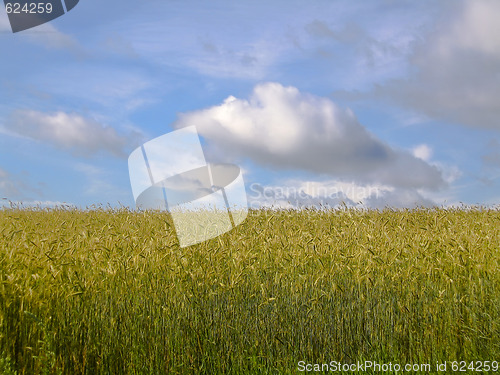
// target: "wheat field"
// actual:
[[109, 291]]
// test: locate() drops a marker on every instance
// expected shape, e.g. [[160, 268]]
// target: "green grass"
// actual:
[[110, 291]]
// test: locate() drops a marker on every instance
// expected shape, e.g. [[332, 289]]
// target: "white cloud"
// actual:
[[450, 173], [457, 68], [422, 151], [477, 28], [281, 127], [80, 135]]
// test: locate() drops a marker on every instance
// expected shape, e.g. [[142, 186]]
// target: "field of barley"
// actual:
[[109, 291]]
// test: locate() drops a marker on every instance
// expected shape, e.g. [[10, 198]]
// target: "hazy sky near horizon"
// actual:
[[373, 103]]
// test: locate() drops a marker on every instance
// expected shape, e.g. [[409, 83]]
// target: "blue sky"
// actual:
[[374, 103]]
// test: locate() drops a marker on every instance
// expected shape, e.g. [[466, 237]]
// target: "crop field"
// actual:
[[109, 291]]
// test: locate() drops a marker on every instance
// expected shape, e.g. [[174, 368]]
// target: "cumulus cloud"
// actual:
[[80, 135], [282, 128], [457, 68]]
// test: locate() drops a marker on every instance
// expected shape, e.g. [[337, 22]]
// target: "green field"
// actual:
[[107, 291]]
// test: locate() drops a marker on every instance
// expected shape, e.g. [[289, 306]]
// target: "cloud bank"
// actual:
[[282, 128]]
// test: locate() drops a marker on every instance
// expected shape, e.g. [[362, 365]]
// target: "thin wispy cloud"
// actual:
[[120, 89], [79, 135]]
